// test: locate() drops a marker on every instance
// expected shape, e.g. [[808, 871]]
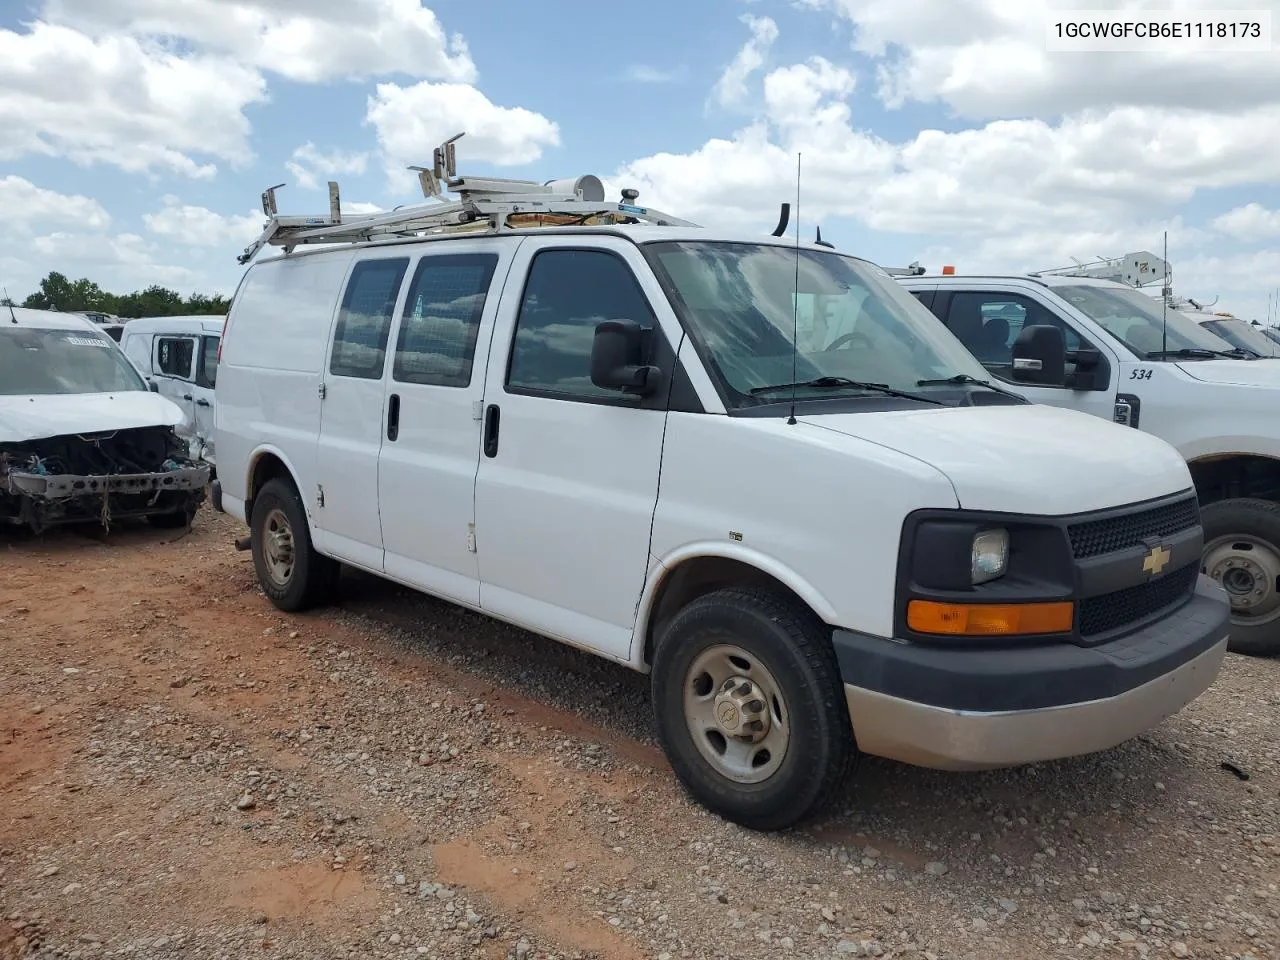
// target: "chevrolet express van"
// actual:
[[654, 443]]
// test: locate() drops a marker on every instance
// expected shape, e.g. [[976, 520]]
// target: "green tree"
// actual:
[[57, 292]]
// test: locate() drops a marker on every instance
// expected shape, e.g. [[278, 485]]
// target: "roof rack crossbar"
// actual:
[[485, 204]]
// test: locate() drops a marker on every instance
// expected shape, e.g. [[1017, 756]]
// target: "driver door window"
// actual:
[[989, 323]]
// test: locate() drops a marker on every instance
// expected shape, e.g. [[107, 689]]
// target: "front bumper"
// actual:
[[62, 486], [973, 709]]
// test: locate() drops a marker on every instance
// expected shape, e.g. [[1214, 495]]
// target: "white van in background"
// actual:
[[180, 356]]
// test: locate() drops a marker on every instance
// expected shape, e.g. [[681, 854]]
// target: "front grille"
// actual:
[[1093, 538], [1111, 611]]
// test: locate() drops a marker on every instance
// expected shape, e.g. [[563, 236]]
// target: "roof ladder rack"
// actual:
[[484, 205], [1133, 269], [913, 270]]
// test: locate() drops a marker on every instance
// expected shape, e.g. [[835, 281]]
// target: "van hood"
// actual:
[[1028, 459], [25, 418], [1244, 373]]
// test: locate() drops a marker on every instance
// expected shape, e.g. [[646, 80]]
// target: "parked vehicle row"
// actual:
[[756, 469], [960, 522]]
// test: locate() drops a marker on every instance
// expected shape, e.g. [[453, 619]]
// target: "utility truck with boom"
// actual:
[[755, 469], [1088, 338]]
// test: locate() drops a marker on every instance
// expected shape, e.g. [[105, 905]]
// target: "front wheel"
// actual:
[[290, 571], [750, 709], [1242, 552]]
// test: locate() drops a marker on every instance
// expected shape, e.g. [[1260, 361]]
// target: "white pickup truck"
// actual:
[[1109, 349]]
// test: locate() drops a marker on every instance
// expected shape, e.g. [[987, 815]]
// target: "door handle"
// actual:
[[393, 417], [186, 396], [491, 417], [202, 402]]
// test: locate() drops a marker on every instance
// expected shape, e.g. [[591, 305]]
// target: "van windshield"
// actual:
[[1138, 321], [849, 322], [39, 361]]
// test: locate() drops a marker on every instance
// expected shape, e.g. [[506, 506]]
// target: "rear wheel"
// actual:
[[290, 571], [750, 708], [1242, 552]]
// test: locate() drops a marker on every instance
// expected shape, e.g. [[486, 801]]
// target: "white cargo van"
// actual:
[[1106, 348], [180, 356], [589, 428]]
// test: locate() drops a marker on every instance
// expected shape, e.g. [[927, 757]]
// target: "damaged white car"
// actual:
[[82, 438]]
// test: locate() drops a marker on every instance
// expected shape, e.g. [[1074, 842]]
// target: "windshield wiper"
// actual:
[[852, 384], [974, 381], [1203, 353]]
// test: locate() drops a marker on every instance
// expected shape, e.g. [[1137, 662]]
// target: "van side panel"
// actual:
[[273, 358]]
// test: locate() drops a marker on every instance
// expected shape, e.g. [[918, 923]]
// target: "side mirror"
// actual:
[[617, 358], [1092, 372], [1040, 356]]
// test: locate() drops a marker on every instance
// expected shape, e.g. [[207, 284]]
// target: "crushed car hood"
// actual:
[[25, 418]]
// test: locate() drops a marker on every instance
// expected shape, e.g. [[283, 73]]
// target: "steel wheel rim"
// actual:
[[736, 714], [277, 547], [1247, 567]]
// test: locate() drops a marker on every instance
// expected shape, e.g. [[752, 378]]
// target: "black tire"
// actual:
[[313, 578], [1257, 520], [171, 521], [795, 648]]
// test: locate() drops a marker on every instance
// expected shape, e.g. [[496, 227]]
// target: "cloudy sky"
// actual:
[[138, 134]]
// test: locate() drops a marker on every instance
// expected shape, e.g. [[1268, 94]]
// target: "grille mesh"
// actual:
[[1111, 611], [1093, 538]]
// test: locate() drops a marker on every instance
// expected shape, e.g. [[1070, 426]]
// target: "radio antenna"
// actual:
[[795, 302], [1168, 292], [13, 317]]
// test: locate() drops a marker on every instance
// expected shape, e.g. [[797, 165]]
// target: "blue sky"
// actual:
[[143, 131]]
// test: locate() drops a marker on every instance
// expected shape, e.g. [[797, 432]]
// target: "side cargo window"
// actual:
[[568, 293], [437, 340], [174, 356], [360, 339], [207, 371], [989, 323]]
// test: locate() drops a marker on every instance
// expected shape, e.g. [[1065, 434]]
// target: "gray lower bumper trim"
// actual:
[[944, 739]]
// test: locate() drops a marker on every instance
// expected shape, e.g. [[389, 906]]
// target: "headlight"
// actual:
[[990, 555]]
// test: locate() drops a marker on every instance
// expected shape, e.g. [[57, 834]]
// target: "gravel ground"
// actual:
[[184, 772]]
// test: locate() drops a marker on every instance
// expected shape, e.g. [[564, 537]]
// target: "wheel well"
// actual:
[[1228, 476], [699, 576], [265, 469]]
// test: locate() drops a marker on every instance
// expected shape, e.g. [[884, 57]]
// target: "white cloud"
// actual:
[[26, 205], [309, 41], [310, 164], [644, 73], [987, 58], [1251, 222], [412, 121], [120, 102], [201, 227], [731, 88]]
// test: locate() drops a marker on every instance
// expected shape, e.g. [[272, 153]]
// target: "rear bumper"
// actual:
[[964, 709]]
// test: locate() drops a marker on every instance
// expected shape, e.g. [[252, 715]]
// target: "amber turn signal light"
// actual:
[[989, 619]]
